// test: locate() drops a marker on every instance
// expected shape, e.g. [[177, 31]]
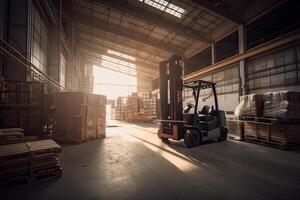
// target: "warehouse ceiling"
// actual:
[[153, 30]]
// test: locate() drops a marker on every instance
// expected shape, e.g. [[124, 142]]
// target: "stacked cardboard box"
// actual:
[[282, 105], [143, 102], [95, 116], [101, 118], [250, 105], [120, 108], [69, 117], [149, 103], [78, 116], [91, 117], [132, 105]]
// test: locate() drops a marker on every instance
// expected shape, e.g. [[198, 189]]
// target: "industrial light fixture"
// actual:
[[166, 7]]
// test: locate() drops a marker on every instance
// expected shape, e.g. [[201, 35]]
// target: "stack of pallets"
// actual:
[[284, 135], [28, 162], [14, 165], [44, 161]]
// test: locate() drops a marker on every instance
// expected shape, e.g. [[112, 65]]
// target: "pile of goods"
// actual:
[[271, 118], [78, 117], [282, 105], [136, 106], [139, 117], [250, 105]]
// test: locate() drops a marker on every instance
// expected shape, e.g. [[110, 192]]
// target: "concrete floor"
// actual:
[[132, 163]]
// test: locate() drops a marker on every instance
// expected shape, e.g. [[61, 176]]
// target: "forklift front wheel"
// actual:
[[192, 138], [165, 140]]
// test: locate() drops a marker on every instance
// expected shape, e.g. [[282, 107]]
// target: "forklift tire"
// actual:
[[192, 138], [223, 135], [165, 140]]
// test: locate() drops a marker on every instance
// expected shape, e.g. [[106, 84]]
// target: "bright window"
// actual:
[[114, 77], [166, 7]]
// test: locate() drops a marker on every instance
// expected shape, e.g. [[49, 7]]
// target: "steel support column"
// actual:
[[242, 69]]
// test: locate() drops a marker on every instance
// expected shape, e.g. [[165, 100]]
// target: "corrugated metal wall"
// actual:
[[227, 81], [274, 71]]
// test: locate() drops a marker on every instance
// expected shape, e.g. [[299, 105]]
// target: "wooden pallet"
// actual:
[[68, 141], [283, 146], [235, 137], [28, 162], [269, 120], [14, 182], [41, 176], [283, 135]]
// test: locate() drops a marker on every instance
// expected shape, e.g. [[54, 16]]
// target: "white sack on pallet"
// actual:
[[250, 105], [283, 105]]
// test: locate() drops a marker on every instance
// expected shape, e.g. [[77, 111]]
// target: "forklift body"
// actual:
[[193, 125]]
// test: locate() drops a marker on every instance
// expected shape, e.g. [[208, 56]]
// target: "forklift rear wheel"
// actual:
[[223, 135], [192, 138]]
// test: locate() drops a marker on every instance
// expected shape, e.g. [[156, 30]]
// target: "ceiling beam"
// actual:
[[149, 17], [221, 9], [124, 32], [88, 55], [88, 46], [98, 39], [98, 63]]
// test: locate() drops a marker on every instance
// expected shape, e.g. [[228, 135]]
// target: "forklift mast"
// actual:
[[171, 86]]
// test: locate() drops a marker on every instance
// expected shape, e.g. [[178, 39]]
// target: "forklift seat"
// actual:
[[205, 110], [206, 114]]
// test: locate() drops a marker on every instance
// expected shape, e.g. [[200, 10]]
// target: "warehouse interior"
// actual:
[[149, 99]]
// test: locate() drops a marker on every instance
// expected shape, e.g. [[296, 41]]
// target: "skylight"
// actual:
[[166, 7], [121, 55]]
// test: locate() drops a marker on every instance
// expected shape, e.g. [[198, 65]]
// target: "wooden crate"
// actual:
[[91, 132], [102, 100], [70, 98], [92, 99], [284, 135]]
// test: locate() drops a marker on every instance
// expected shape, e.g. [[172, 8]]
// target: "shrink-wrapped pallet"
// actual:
[[282, 105], [250, 105]]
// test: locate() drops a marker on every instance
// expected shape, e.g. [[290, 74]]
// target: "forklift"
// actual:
[[192, 124]]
